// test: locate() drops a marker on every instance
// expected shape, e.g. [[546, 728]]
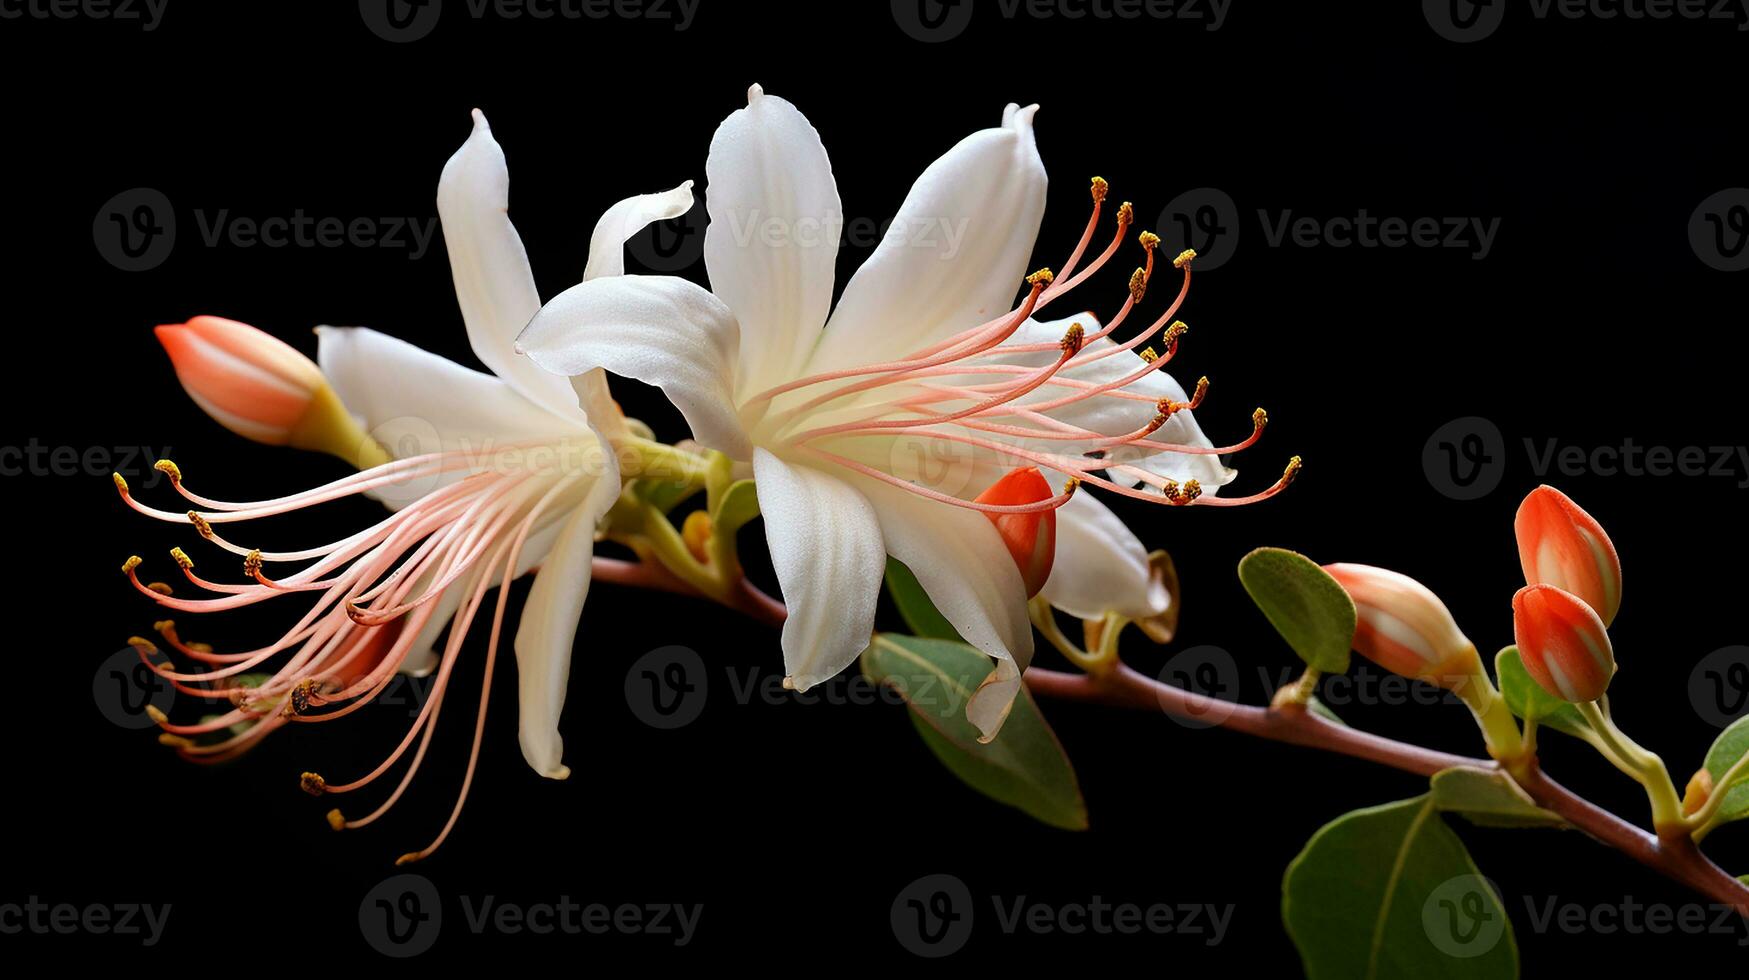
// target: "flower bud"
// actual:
[[262, 389], [1563, 643], [1031, 537], [1403, 627], [1561, 545]]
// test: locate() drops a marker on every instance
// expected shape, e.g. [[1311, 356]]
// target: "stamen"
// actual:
[[201, 525], [1184, 258]]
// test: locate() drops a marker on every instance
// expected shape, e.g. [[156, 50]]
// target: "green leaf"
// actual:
[[1390, 892], [1730, 746], [1323, 711], [737, 505], [1527, 699], [1311, 610], [1023, 767], [1488, 798], [915, 606]]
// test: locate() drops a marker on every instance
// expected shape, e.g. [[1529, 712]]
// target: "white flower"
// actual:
[[923, 386]]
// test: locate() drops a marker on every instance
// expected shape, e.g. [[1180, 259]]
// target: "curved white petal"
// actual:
[[772, 242], [493, 282], [961, 562], [607, 245], [659, 330], [955, 255], [1100, 565], [991, 702], [827, 549], [416, 402], [549, 627]]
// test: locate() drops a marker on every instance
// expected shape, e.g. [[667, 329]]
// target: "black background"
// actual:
[[1591, 321]]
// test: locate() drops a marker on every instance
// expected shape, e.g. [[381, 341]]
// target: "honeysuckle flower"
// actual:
[[494, 474], [1563, 642], [1559, 544], [846, 419], [1403, 627]]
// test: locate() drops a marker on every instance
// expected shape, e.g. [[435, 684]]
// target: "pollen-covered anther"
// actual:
[[1138, 285], [1100, 188], [1073, 339], [169, 469], [1166, 407], [1259, 418], [162, 588], [1184, 258], [133, 562], [313, 783], [1149, 354], [1293, 470], [1149, 240], [298, 702], [336, 820], [1155, 423], [200, 525], [1178, 329], [252, 563], [1070, 486], [143, 645], [178, 742], [121, 483], [1042, 277], [1202, 389], [182, 559], [1184, 493], [156, 714], [1126, 214]]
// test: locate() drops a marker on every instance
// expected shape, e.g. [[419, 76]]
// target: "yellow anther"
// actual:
[[1149, 354], [1071, 485], [164, 626], [1042, 277], [1073, 339], [696, 532], [335, 820], [156, 714], [1260, 418], [408, 858], [1099, 189], [313, 783], [160, 588], [200, 524], [182, 558], [1293, 470], [169, 469], [1188, 492], [200, 647], [1157, 421], [252, 563], [1177, 329], [121, 482], [1184, 258], [1202, 388], [142, 644], [1126, 214], [1167, 406], [1138, 285], [175, 741], [298, 701], [132, 563], [1149, 240]]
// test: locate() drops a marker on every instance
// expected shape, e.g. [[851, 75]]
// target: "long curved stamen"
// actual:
[[1050, 503]]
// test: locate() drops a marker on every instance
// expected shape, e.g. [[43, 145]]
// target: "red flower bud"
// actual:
[[1561, 545], [1403, 627], [1031, 537], [1564, 645]]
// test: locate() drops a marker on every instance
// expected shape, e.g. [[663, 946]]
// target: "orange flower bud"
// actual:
[[1561, 545], [1564, 645], [1031, 537], [262, 389], [1403, 627]]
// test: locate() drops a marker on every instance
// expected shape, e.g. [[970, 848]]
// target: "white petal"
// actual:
[[772, 241], [827, 549], [416, 402], [493, 282], [955, 255], [659, 330], [959, 559], [607, 246], [1100, 565], [424, 655], [991, 702], [549, 628]]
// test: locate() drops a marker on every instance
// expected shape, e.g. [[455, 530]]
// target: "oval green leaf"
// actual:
[[1024, 767], [1311, 610], [1527, 699], [1730, 746], [1488, 798]]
